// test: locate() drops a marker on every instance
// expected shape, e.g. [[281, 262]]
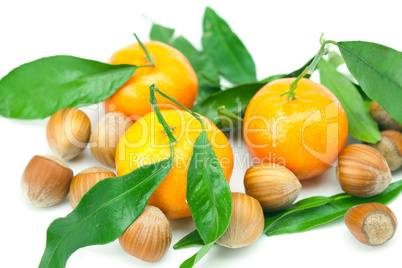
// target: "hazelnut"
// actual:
[[149, 237], [45, 181], [273, 185], [383, 119], [390, 146], [362, 171], [68, 132], [246, 223], [372, 224], [106, 135], [84, 180]]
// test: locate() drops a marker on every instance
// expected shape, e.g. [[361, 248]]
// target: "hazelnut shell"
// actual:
[[390, 146], [362, 171], [45, 181], [149, 237], [84, 180], [273, 185], [67, 132], [106, 135], [246, 223], [372, 223]]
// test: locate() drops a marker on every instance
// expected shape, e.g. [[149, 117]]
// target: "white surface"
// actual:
[[280, 35]]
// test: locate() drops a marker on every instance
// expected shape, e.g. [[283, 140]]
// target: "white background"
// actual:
[[281, 36]]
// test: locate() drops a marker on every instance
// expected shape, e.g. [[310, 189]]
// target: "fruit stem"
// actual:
[[148, 57], [167, 128], [225, 113], [309, 69], [153, 88]]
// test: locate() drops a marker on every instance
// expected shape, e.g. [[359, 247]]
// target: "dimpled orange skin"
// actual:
[[146, 142], [173, 75], [305, 134]]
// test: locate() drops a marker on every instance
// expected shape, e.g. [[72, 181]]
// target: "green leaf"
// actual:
[[161, 33], [208, 193], [190, 262], [335, 59], [103, 213], [378, 69], [192, 239], [207, 74], [306, 219], [273, 217], [227, 51], [40, 88], [361, 124], [234, 99]]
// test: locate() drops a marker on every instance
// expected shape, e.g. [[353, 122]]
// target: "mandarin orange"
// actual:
[[172, 74], [146, 142], [305, 134]]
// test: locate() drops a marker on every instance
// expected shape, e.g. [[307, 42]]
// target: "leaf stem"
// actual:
[[309, 69], [148, 56], [161, 120], [225, 113], [154, 89]]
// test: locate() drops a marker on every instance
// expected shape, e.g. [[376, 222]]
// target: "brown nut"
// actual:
[[149, 237], [390, 146], [45, 181], [84, 180], [246, 223], [372, 223], [383, 119], [106, 135], [273, 185], [362, 171], [68, 132]]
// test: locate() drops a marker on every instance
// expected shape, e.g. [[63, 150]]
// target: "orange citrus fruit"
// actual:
[[146, 142], [172, 74], [305, 134]]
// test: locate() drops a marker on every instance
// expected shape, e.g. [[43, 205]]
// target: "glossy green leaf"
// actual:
[[207, 74], [311, 202], [161, 33], [234, 99], [306, 219], [361, 124], [190, 262], [208, 193], [335, 59], [40, 88], [192, 239], [378, 69], [107, 209], [227, 51]]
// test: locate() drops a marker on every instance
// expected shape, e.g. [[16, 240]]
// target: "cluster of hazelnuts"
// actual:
[[364, 170], [47, 180]]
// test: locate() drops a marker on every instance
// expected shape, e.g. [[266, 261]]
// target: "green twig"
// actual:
[[162, 121], [154, 89], [148, 56], [309, 69]]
